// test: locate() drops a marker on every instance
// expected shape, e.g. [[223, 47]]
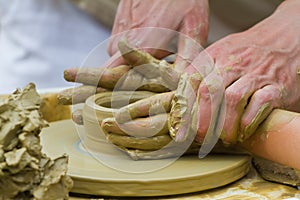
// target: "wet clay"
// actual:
[[25, 172]]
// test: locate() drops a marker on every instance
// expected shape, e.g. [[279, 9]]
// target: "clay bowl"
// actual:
[[101, 106]]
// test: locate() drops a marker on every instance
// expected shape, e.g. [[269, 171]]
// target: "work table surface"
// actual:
[[252, 186]]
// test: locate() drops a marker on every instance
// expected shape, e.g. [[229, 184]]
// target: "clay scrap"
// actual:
[[25, 172], [276, 172]]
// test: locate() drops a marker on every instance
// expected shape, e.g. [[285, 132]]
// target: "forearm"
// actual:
[[277, 139], [291, 6]]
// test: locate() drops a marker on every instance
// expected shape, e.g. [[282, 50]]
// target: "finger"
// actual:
[[138, 39], [236, 98], [172, 150], [78, 94], [210, 111], [110, 125], [133, 80], [77, 116], [148, 66], [216, 79], [118, 78], [155, 85], [141, 127], [163, 153], [194, 35], [202, 65], [149, 39], [260, 106], [114, 61], [156, 104], [182, 105], [102, 77], [152, 143], [204, 112], [136, 57]]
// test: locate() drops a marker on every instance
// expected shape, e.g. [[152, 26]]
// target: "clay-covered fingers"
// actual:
[[248, 101], [210, 111], [143, 131], [183, 104], [102, 77], [150, 67], [141, 127], [142, 72], [237, 96], [122, 77], [156, 104], [262, 102], [149, 144], [94, 80], [78, 94], [184, 109], [107, 76], [77, 116], [118, 78]]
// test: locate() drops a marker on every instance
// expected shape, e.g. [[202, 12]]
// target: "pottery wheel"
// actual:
[[185, 175]]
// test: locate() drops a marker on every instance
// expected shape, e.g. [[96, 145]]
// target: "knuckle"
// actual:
[[263, 96], [202, 130], [233, 96], [266, 95], [204, 92]]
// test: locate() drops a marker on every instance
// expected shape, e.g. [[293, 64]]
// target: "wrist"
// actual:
[[289, 7]]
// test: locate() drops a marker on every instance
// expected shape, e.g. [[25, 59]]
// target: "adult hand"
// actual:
[[141, 130], [140, 135], [141, 72], [259, 70], [189, 17]]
